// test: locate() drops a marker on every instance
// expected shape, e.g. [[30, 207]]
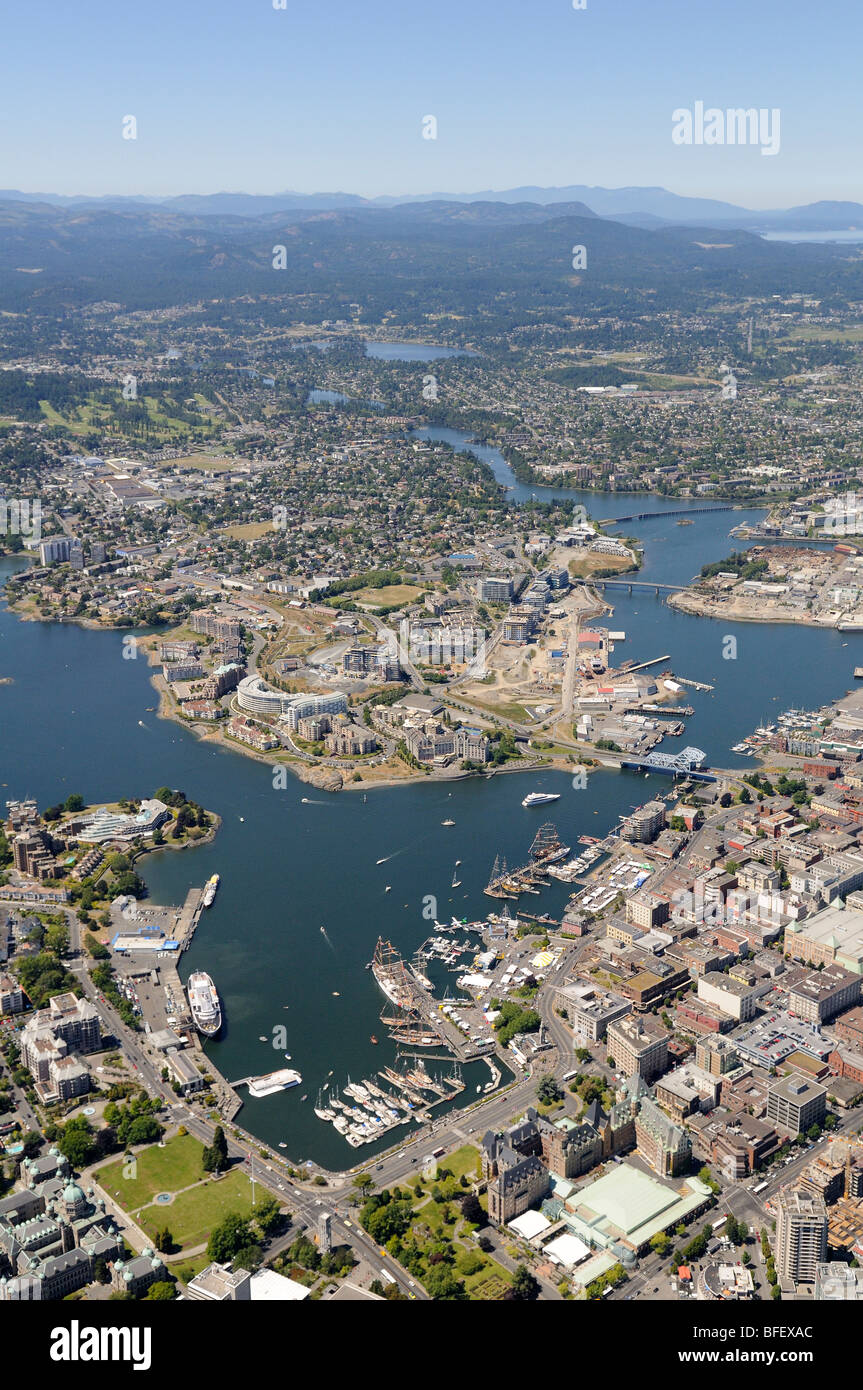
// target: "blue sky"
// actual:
[[235, 95]]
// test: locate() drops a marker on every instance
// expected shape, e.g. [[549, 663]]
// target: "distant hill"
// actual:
[[634, 206], [478, 261]]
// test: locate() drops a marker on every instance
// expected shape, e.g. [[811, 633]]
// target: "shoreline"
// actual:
[[697, 607]]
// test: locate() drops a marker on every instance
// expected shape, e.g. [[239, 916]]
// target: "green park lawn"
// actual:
[[462, 1162], [192, 1216], [176, 1166]]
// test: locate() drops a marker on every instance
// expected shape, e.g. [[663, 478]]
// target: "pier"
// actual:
[[693, 685], [190, 915], [628, 667]]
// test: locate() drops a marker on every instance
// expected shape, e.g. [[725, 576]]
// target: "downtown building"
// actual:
[[801, 1235]]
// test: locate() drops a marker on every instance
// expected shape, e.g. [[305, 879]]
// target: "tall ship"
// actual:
[[388, 969], [546, 847], [204, 1004], [540, 798], [210, 889], [274, 1081]]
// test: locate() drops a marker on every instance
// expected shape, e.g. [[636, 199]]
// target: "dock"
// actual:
[[190, 915], [694, 685]]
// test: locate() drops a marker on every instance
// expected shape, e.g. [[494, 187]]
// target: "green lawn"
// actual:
[[176, 1166], [462, 1162], [192, 1216], [187, 1269], [489, 1283]]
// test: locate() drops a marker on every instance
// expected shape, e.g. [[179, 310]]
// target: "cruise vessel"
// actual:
[[274, 1081], [204, 1004], [210, 890], [540, 798]]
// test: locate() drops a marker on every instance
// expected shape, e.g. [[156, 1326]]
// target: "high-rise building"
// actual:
[[637, 1048], [801, 1235], [54, 550], [795, 1103]]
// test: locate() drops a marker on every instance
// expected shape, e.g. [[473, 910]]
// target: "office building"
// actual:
[[638, 1048], [825, 993], [801, 1235], [794, 1104]]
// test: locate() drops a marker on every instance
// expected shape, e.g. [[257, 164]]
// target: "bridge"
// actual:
[[687, 763], [642, 584], [678, 511]]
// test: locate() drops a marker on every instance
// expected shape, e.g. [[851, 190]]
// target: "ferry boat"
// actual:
[[274, 1081], [210, 890], [204, 1004], [540, 798]]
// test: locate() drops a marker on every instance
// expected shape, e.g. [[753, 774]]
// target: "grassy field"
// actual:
[[176, 1166], [192, 1216], [463, 1162], [390, 594], [252, 531], [504, 710], [92, 414], [585, 565]]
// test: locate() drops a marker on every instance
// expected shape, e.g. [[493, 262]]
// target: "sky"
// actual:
[[331, 95]]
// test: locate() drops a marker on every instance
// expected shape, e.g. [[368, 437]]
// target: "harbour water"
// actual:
[[69, 722]]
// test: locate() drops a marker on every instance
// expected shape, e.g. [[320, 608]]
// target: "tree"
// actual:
[[164, 1240], [471, 1209], [268, 1215], [160, 1292], [524, 1286], [548, 1091], [228, 1238], [249, 1257]]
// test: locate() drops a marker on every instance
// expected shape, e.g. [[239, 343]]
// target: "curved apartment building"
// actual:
[[255, 696]]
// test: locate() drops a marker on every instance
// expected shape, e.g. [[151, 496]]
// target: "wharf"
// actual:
[[694, 685], [190, 915]]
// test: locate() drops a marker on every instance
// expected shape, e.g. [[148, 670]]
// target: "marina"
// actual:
[[292, 966]]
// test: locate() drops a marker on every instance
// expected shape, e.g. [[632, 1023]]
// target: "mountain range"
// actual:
[[643, 207]]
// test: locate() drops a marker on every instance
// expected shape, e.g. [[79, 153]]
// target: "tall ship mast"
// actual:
[[388, 969], [546, 847]]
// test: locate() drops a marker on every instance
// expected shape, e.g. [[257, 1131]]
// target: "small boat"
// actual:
[[323, 931], [304, 801], [388, 888], [447, 822], [288, 1057], [282, 1144], [142, 725], [382, 861], [303, 1097], [373, 1038], [263, 1039], [335, 996]]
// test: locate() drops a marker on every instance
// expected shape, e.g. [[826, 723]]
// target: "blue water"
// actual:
[[69, 723]]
